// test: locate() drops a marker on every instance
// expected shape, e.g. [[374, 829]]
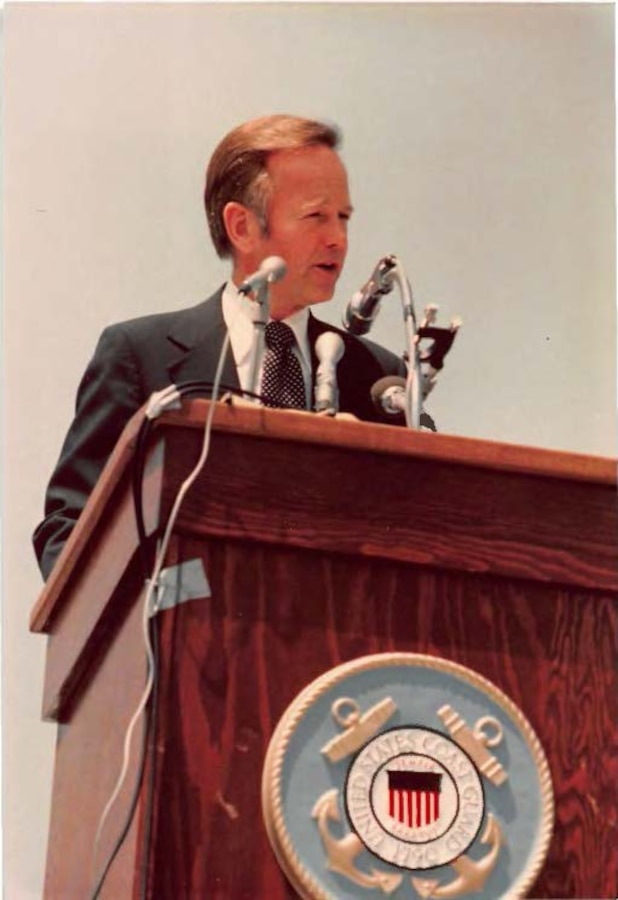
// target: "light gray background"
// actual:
[[479, 142]]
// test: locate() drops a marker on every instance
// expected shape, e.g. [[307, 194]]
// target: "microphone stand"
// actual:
[[419, 384], [260, 308], [413, 404]]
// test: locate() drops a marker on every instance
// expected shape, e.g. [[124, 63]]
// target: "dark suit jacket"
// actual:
[[135, 358]]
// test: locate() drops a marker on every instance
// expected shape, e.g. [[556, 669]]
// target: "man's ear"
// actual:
[[242, 226]]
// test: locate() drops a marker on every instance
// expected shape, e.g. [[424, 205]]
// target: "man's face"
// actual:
[[308, 216]]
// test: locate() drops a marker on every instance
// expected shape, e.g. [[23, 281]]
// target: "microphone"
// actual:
[[389, 398], [365, 304], [272, 269], [329, 349]]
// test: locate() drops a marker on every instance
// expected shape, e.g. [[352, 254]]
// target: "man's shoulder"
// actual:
[[164, 323]]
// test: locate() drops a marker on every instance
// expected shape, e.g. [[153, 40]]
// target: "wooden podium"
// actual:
[[322, 540]]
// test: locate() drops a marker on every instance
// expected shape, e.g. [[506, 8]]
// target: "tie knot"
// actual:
[[279, 336]]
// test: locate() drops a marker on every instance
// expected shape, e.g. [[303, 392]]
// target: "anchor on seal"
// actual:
[[341, 852], [471, 874]]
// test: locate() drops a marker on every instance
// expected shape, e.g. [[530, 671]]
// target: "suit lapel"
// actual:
[[198, 338]]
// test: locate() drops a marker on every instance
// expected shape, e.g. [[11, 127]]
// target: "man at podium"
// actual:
[[275, 187]]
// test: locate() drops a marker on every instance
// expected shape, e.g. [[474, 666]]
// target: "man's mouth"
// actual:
[[331, 268]]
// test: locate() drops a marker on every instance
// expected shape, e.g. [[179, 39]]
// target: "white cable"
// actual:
[[149, 607], [160, 400], [129, 733], [199, 465]]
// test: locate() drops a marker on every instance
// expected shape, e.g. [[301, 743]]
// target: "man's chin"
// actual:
[[288, 305], [322, 293]]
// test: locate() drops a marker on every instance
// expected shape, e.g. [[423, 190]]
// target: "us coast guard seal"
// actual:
[[409, 776]]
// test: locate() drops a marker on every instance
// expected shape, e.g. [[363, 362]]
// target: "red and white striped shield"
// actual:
[[414, 797]]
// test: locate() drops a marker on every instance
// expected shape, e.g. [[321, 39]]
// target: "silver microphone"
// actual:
[[389, 397], [329, 349], [365, 304], [272, 269]]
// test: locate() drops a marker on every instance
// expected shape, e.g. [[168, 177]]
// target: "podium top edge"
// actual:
[[350, 433]]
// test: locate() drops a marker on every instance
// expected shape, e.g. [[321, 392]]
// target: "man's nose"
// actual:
[[337, 233]]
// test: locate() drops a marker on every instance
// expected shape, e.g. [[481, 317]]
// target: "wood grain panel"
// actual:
[[277, 620], [87, 765]]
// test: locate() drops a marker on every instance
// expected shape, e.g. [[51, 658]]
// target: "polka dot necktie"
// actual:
[[283, 384]]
